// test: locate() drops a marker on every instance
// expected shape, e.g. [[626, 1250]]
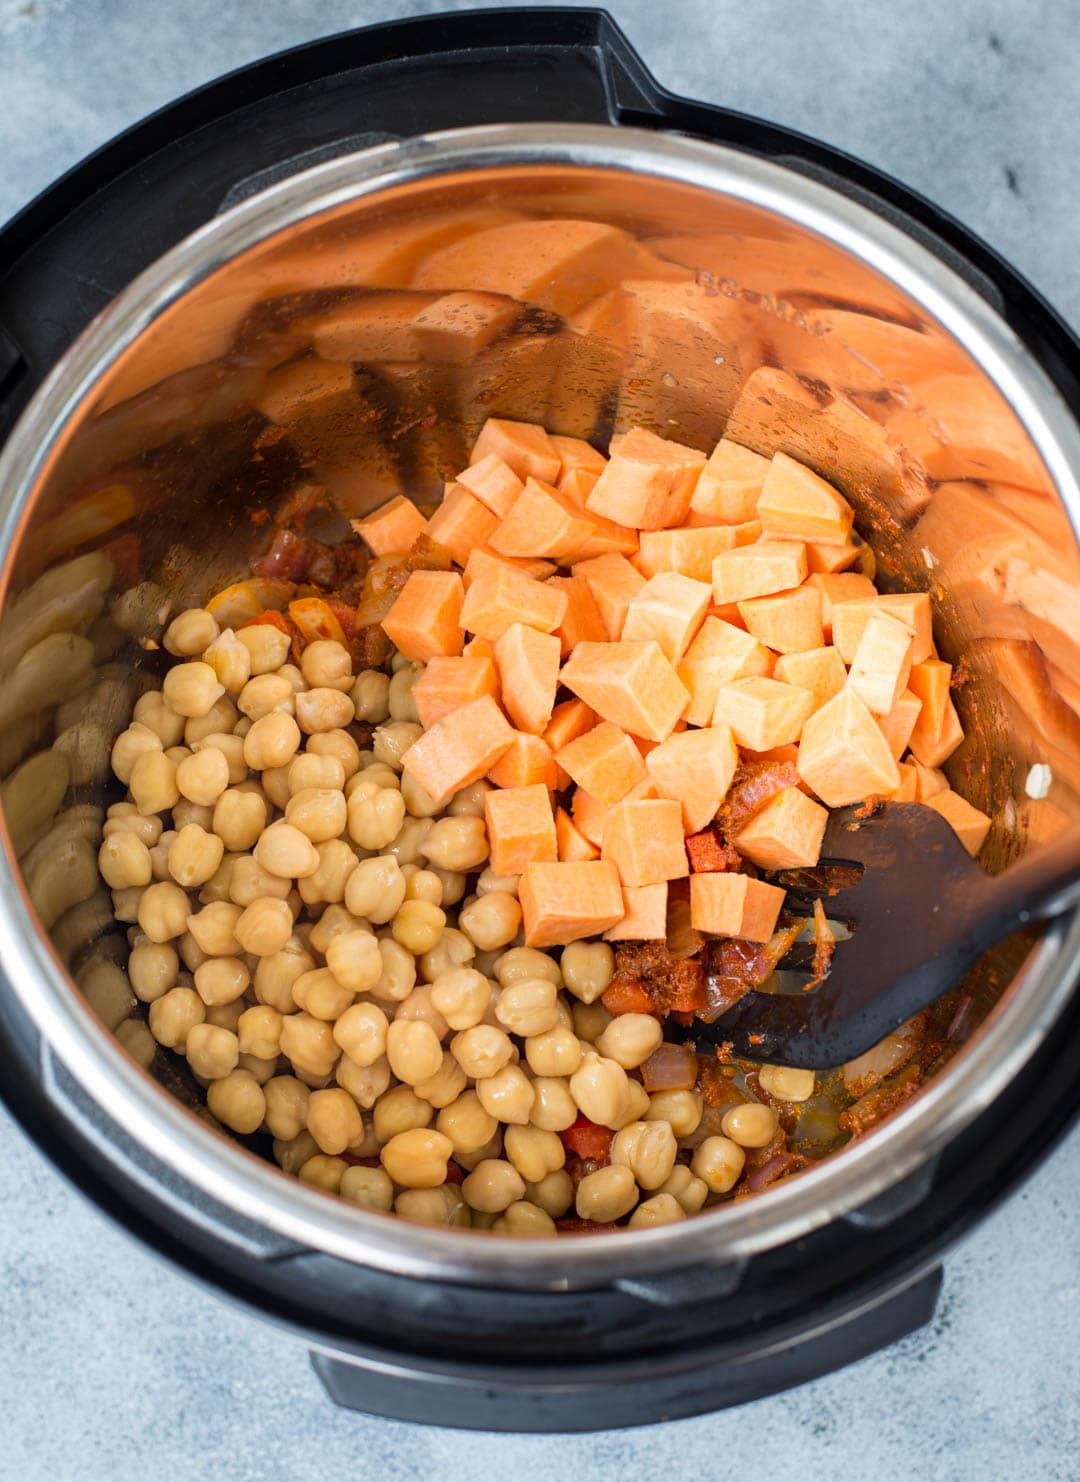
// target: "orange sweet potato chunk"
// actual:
[[930, 681], [521, 828], [786, 622], [614, 584], [483, 561], [525, 447], [449, 682], [819, 670], [669, 609], [572, 843], [527, 760], [929, 781], [391, 529], [528, 664], [648, 481], [828, 560], [785, 834], [845, 586], [577, 456], [900, 722], [646, 915], [630, 684], [542, 522], [730, 483], [762, 713], [758, 570], [459, 749], [503, 596], [582, 623], [689, 551], [843, 755], [564, 902], [604, 761], [969, 823], [590, 816], [461, 523], [905, 793], [882, 662], [795, 504], [577, 484], [695, 768], [425, 620], [720, 653], [732, 905], [931, 749], [910, 608], [494, 483], [644, 839]]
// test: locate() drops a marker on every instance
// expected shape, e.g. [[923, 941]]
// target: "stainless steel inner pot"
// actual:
[[647, 278]]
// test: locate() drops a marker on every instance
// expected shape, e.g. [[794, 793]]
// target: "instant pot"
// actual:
[[658, 262]]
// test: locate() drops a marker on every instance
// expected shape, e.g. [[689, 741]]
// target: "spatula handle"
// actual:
[[1044, 883]]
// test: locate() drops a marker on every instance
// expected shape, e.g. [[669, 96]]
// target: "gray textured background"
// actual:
[[112, 1367]]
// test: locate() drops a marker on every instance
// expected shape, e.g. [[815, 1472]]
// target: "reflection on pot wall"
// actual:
[[363, 351]]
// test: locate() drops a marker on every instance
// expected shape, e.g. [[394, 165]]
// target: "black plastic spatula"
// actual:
[[921, 914]]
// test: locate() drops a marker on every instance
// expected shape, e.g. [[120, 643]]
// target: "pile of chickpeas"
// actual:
[[340, 968]]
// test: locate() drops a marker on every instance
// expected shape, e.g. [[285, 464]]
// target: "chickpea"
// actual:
[[286, 1106], [190, 632], [174, 1015], [218, 886], [274, 782], [184, 813], [413, 1050], [451, 951], [211, 1052], [681, 1109], [637, 1103], [135, 1037], [220, 719], [324, 709], [152, 710], [334, 921], [334, 1120], [286, 852], [528, 1006], [203, 776], [226, 1015], [337, 744], [590, 1020], [751, 1125], [465, 1122], [417, 1159], [534, 1152], [492, 1149], [264, 927], [553, 1109], [324, 1172], [126, 903], [599, 1086], [661, 1209], [374, 814], [320, 994], [481, 1051], [191, 689], [508, 1094], [137, 741], [265, 694], [125, 818], [418, 1005], [554, 1194], [259, 1032], [222, 980], [267, 647], [526, 962], [194, 856], [163, 911], [214, 929], [272, 741], [556, 1052], [587, 969], [328, 881], [310, 771], [489, 883], [718, 1162], [309, 1044], [469, 801], [364, 1083], [407, 844], [630, 1039], [239, 819], [419, 803], [153, 783], [292, 1153], [441, 1206], [230, 661], [250, 882], [493, 1186], [786, 1083], [418, 926], [124, 861], [153, 968], [191, 954], [275, 976], [327, 663], [392, 740], [423, 885], [648, 1149], [462, 997], [378, 774], [376, 889], [445, 1086], [371, 696], [371, 1187], [457, 843], [492, 920], [398, 974], [607, 1194], [361, 1031]]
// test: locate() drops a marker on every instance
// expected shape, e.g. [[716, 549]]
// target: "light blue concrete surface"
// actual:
[[113, 1367]]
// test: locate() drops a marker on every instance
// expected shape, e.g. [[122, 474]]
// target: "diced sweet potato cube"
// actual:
[[731, 905], [494, 483], [448, 683], [504, 596], [461, 523], [582, 623], [727, 491], [391, 529], [572, 843], [646, 915], [695, 768], [591, 815], [910, 608], [785, 834], [542, 522], [524, 446], [795, 504], [670, 609], [969, 824], [819, 670], [929, 781], [479, 648], [930, 680], [459, 749], [605, 539], [827, 560], [577, 456], [933, 749], [843, 755], [643, 838], [900, 722], [528, 664], [527, 760], [564, 902], [761, 712], [786, 622], [425, 620], [882, 662], [846, 586], [905, 793], [456, 327], [604, 761], [648, 481], [690, 552], [520, 826], [577, 484], [569, 719], [720, 653], [630, 684], [614, 584], [758, 570], [483, 561]]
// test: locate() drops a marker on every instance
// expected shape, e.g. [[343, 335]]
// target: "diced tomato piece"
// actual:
[[627, 997], [709, 853], [588, 1140], [274, 620], [315, 619], [344, 614]]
